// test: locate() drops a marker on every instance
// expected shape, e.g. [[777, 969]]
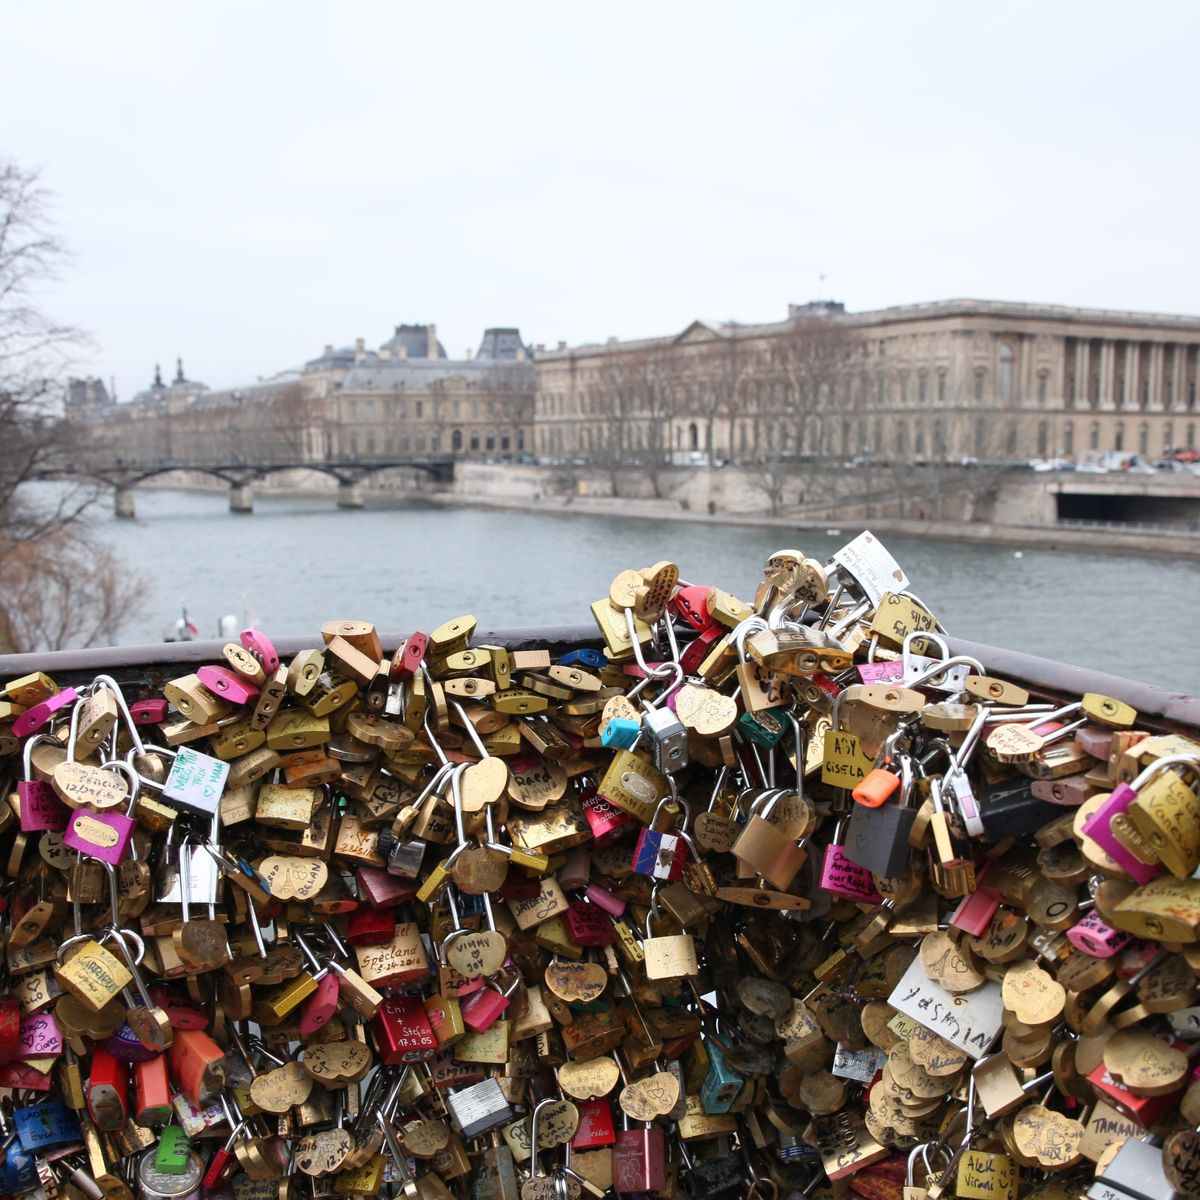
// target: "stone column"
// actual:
[[349, 495], [1157, 355], [241, 498], [1082, 382], [1108, 357], [123, 503], [1133, 394], [1178, 378]]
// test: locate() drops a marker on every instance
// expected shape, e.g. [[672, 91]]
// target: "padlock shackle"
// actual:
[[1190, 761]]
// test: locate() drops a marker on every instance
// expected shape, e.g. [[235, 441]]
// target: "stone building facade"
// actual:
[[945, 381], [407, 399]]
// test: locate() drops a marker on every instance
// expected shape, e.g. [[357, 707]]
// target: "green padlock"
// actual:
[[173, 1152]]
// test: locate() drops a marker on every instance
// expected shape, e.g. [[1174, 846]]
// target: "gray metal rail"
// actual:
[[1155, 705]]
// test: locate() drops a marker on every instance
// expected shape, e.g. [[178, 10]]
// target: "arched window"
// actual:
[[456, 440], [693, 436], [1004, 376]]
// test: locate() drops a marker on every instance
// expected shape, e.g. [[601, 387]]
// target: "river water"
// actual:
[[298, 562]]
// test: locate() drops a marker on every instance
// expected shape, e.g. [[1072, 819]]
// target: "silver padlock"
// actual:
[[668, 739], [1135, 1173], [478, 1108]]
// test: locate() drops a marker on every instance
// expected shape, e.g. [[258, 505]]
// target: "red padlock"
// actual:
[[603, 819], [691, 604], [408, 657], [640, 1160], [197, 1065], [596, 1126], [152, 1092], [10, 1028], [367, 926], [589, 925], [108, 1091], [402, 1031], [320, 1006], [482, 1009]]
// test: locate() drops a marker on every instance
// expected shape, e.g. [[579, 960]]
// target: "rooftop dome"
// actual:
[[415, 341]]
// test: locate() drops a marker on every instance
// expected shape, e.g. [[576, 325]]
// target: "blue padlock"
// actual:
[[46, 1125], [621, 733], [584, 658], [20, 1171]]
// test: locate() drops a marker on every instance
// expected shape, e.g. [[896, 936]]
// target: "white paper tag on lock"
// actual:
[[196, 781], [873, 568], [970, 1021]]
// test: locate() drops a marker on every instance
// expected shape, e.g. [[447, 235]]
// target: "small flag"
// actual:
[[188, 623]]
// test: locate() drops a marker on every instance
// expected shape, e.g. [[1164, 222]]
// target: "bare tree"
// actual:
[[55, 587], [796, 389]]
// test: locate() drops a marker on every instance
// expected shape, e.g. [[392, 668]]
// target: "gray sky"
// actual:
[[242, 183]]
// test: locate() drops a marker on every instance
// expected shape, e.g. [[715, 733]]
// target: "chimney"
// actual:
[[328, 347], [611, 340], [431, 341], [385, 352], [470, 354], [360, 349], [562, 345]]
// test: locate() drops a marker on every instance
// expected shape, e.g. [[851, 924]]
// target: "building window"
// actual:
[[1119, 436], [904, 388], [941, 387], [1042, 388], [901, 439], [922, 388], [979, 384], [435, 442], [1168, 393], [1168, 436], [1094, 436], [1043, 439], [505, 442], [370, 443], [1144, 439], [1191, 436], [1069, 438], [939, 439], [919, 440], [980, 437], [1004, 376], [421, 443], [693, 436], [490, 442], [456, 441], [474, 441], [1010, 439]]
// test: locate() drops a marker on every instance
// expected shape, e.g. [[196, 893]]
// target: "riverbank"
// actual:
[[1166, 545], [1017, 511]]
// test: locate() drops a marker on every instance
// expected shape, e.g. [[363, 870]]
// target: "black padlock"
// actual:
[[1009, 809]]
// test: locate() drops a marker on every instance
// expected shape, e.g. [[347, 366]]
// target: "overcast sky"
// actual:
[[242, 183]]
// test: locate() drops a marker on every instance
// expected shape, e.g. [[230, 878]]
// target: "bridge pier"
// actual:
[[123, 503], [349, 495], [241, 498]]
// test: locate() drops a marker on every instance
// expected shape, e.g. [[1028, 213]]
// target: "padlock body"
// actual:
[[877, 838]]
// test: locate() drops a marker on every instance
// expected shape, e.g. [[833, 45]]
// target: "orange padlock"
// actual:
[[875, 787]]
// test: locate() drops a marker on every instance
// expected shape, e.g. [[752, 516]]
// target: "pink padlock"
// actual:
[[1094, 936], [149, 712], [40, 807], [40, 1037], [974, 914], [224, 683], [320, 1006], [260, 646], [845, 878], [603, 898], [881, 672], [1099, 825], [32, 719], [105, 835], [482, 1009]]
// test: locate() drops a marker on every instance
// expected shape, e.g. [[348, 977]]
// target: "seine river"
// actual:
[[295, 563]]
